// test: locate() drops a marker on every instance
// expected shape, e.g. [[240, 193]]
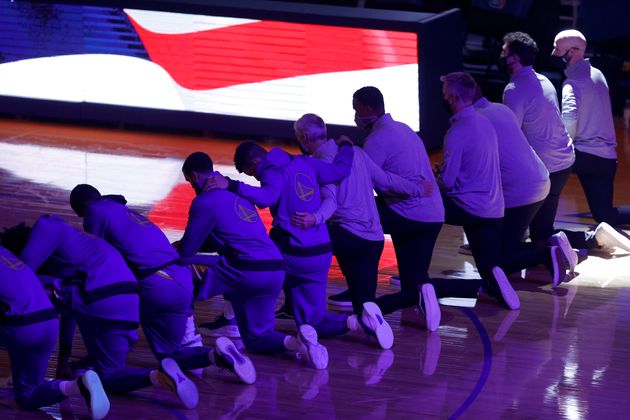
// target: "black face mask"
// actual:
[[560, 61], [303, 149]]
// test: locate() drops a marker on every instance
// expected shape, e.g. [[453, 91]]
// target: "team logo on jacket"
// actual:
[[245, 211], [138, 219], [304, 186], [11, 262]]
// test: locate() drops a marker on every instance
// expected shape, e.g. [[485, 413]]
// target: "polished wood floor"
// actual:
[[564, 354]]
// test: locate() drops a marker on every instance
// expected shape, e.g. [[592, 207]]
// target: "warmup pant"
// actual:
[[358, 259], [541, 227], [484, 237], [253, 295], [305, 284], [29, 348], [165, 305]]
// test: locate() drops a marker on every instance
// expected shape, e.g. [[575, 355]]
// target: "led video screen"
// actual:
[[267, 69]]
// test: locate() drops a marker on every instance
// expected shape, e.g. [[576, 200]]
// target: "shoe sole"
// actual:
[[381, 328], [611, 236], [431, 306], [242, 365], [561, 240], [316, 353], [559, 271], [507, 291], [99, 403], [185, 389], [227, 331]]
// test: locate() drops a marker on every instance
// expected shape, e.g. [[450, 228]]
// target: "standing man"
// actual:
[[413, 222], [587, 116], [249, 268], [534, 101], [470, 179]]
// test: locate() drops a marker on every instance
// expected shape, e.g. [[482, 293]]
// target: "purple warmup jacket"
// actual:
[[290, 184], [22, 297], [106, 286], [233, 224], [143, 245]]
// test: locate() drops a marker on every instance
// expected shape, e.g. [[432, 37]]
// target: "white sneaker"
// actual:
[[94, 395], [373, 318], [558, 266], [428, 301], [173, 378], [560, 239], [227, 356], [309, 347], [607, 237], [508, 294]]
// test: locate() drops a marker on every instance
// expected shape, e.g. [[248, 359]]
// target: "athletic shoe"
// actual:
[[560, 239], [309, 347], [227, 356], [607, 237], [93, 393], [343, 299], [429, 305], [394, 280], [220, 327], [507, 295], [465, 249], [373, 318], [172, 377], [284, 313], [558, 266]]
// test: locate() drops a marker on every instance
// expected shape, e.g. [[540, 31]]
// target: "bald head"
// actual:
[[571, 43]]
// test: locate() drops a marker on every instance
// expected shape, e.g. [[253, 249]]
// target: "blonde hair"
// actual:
[[460, 84]]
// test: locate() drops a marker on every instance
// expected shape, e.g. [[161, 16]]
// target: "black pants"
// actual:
[[358, 259], [413, 243], [484, 237], [516, 254], [541, 227], [597, 176]]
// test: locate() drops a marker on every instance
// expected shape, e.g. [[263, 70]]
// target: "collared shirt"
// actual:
[[397, 149], [586, 110], [524, 177], [534, 101], [470, 173], [350, 204]]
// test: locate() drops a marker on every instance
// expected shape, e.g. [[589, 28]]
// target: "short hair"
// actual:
[[81, 196], [461, 84], [15, 238], [198, 162], [523, 45], [577, 38], [312, 125], [370, 96], [245, 154]]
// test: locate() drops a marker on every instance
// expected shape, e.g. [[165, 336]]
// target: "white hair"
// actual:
[[578, 38], [312, 125]]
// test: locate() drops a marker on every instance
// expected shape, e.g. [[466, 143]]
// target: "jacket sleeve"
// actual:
[[329, 203], [42, 243], [451, 165], [264, 196], [390, 182], [201, 222], [338, 169]]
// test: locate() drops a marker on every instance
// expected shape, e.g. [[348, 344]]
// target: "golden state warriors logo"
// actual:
[[245, 211], [12, 262], [304, 186], [138, 219]]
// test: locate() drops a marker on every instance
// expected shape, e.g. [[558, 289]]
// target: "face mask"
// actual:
[[303, 149], [365, 123], [560, 62]]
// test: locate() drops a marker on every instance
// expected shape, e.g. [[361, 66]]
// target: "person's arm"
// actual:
[[305, 220], [451, 165], [338, 169], [393, 184], [44, 239], [201, 221], [96, 223], [264, 196], [569, 109]]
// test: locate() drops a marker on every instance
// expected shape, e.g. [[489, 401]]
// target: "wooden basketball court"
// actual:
[[564, 354]]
